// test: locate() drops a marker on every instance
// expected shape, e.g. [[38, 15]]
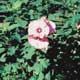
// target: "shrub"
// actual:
[[19, 60]]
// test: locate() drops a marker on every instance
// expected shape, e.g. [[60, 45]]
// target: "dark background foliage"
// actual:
[[20, 61]]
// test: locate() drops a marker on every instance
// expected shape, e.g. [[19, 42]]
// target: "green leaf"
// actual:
[[25, 1], [11, 27], [4, 24], [67, 32], [31, 11], [59, 76], [24, 37], [1, 69], [3, 58], [29, 53], [7, 68], [21, 22], [76, 57], [30, 68], [3, 8], [20, 60], [58, 3], [2, 50], [14, 67], [44, 62], [51, 17], [16, 36], [37, 68], [60, 32], [41, 76], [47, 76], [11, 50], [33, 78], [16, 5]]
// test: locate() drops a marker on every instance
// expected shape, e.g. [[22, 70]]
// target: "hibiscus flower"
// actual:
[[38, 28], [38, 31]]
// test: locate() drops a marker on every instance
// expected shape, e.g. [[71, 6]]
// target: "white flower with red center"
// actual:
[[38, 31]]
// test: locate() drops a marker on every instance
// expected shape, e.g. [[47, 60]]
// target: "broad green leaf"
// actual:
[[44, 62], [30, 68], [11, 27], [3, 58], [20, 60], [21, 22], [41, 76], [4, 26], [3, 8], [14, 67], [0, 45], [51, 17], [16, 5], [29, 53], [32, 78], [67, 32], [58, 3], [2, 50], [1, 69], [24, 37], [37, 68], [7, 68], [76, 57], [48, 76], [31, 12], [11, 50], [25, 1], [16, 36], [60, 32], [59, 76]]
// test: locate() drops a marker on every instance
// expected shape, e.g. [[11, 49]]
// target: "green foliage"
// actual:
[[19, 60], [59, 76]]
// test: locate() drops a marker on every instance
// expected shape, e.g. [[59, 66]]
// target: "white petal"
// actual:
[[38, 44]]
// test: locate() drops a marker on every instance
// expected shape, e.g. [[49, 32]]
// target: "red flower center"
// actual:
[[39, 30]]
